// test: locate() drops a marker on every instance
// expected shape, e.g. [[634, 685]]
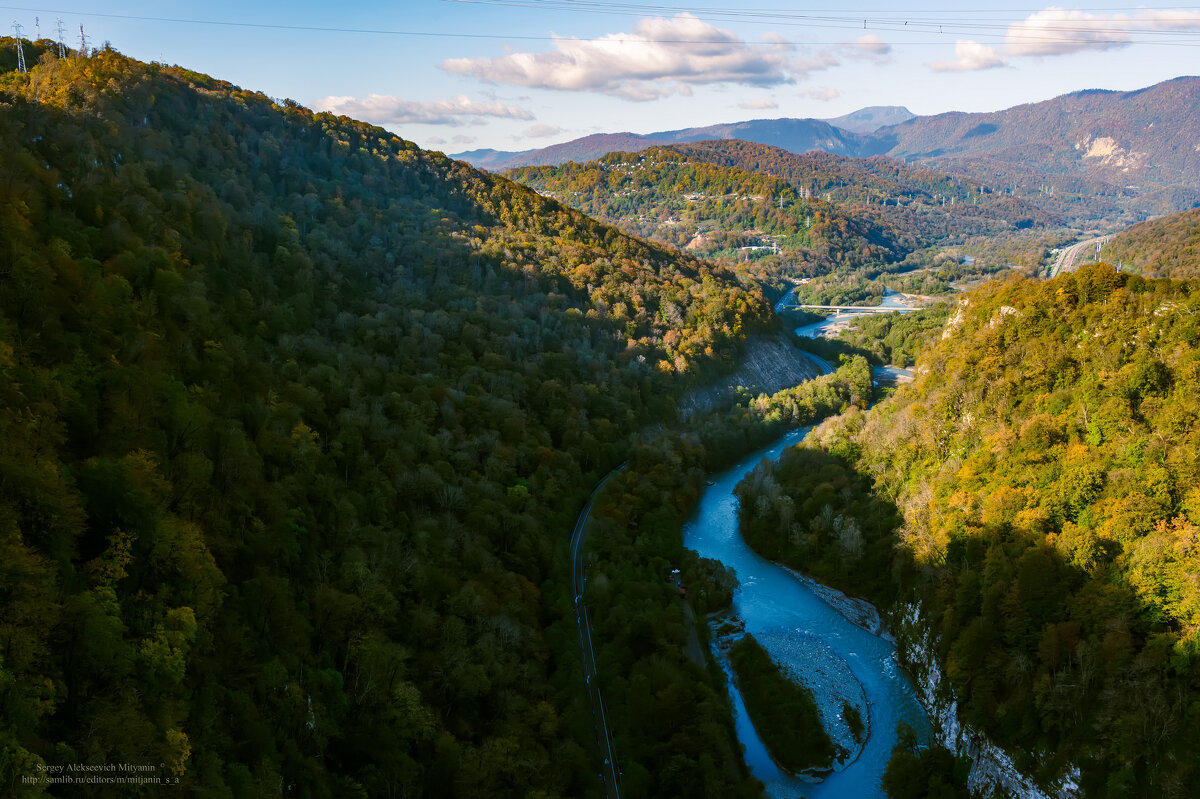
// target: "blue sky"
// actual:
[[517, 74]]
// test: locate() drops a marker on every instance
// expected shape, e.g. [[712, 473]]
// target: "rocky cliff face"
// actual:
[[992, 769]]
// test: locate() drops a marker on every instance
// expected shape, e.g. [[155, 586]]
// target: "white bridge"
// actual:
[[838, 310]]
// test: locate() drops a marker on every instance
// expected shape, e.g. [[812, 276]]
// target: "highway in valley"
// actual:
[[1071, 258], [609, 772]]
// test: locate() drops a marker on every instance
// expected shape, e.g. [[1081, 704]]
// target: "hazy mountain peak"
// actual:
[[872, 118]]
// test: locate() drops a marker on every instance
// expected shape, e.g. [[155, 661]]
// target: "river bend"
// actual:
[[838, 660]]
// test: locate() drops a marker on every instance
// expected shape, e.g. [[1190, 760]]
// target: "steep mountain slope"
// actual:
[[1043, 468], [1144, 145], [1164, 247], [296, 420], [1140, 138]]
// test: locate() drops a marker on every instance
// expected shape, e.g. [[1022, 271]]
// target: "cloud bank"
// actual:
[[1060, 31], [541, 131], [823, 94], [869, 47], [969, 57], [384, 109], [660, 57]]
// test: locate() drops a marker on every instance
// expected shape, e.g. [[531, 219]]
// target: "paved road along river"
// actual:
[[838, 659]]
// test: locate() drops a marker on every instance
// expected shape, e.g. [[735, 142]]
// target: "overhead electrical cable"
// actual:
[[890, 24]]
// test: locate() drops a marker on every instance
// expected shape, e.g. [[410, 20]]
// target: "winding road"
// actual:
[[610, 772]]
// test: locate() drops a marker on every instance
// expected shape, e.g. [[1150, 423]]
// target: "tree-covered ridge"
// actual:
[[772, 214], [1045, 466], [1164, 247], [296, 419], [916, 205], [721, 211]]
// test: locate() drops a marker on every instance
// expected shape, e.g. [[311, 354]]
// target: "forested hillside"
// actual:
[[296, 421], [1164, 247], [771, 214], [722, 212], [917, 204], [1035, 491], [942, 228]]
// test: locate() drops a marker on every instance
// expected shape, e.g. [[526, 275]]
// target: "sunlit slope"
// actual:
[[1045, 463]]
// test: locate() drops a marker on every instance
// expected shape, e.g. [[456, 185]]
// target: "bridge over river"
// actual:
[[854, 309]]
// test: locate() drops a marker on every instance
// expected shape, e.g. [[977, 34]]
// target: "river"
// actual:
[[839, 660], [830, 326]]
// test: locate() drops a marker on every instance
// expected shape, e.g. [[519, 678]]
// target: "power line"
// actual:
[[888, 24], [900, 22], [594, 6], [870, 19], [277, 26], [842, 10]]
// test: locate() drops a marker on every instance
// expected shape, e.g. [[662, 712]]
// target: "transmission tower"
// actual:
[[62, 48], [20, 48], [83, 50], [37, 29]]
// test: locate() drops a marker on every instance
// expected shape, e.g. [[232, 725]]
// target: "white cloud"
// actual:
[[757, 105], [970, 56], [1169, 20], [1059, 31], [865, 48], [869, 46], [461, 139], [825, 59], [541, 131], [823, 94], [383, 109], [659, 58]]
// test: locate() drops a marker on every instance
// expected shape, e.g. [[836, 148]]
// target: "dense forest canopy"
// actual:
[[723, 212], [296, 418], [850, 226], [915, 203], [1035, 490]]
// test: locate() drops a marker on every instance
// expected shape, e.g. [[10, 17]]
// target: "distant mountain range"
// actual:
[[1142, 146], [845, 135]]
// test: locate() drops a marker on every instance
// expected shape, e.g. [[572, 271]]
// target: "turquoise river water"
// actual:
[[801, 628]]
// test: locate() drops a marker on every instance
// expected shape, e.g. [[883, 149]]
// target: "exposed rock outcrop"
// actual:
[[992, 769]]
